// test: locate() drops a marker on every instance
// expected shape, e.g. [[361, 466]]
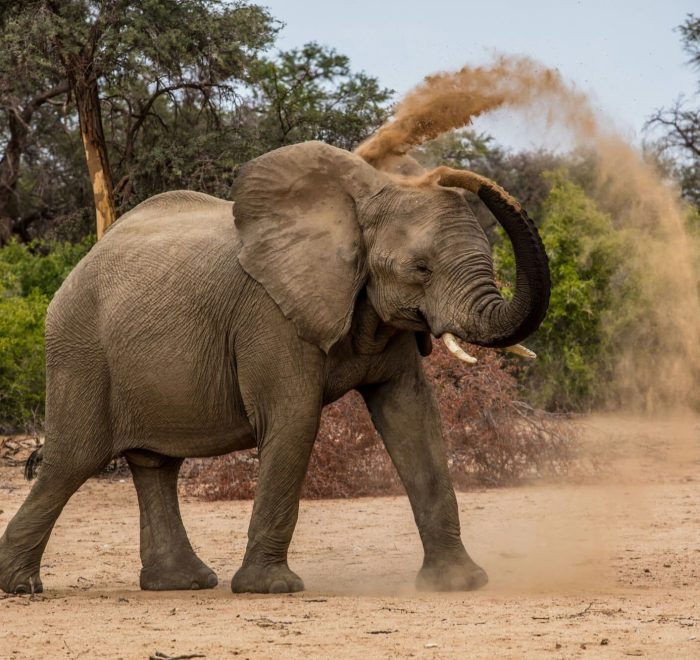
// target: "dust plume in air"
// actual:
[[445, 101], [658, 366]]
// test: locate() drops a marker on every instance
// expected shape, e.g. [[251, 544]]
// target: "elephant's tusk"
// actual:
[[519, 349], [453, 347]]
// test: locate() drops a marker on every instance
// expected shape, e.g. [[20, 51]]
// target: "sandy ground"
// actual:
[[605, 569]]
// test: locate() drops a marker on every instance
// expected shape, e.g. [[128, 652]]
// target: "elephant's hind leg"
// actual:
[[168, 560], [22, 545]]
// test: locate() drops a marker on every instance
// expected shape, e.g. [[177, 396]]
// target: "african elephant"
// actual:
[[199, 327]]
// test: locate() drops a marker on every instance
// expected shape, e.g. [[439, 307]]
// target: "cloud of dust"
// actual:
[[658, 367]]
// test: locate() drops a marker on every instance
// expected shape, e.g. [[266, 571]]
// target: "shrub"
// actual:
[[22, 379], [40, 266], [29, 276]]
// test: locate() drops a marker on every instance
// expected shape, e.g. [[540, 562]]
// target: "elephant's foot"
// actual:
[[267, 579], [451, 575], [18, 576], [177, 572]]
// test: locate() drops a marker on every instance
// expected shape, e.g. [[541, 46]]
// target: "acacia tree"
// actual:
[[186, 94], [132, 54]]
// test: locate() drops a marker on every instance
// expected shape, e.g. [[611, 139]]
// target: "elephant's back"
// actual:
[[169, 252], [163, 241], [172, 215]]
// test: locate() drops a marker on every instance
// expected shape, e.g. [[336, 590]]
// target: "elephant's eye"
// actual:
[[424, 270]]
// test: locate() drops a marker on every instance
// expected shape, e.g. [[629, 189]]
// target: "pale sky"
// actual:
[[627, 53]]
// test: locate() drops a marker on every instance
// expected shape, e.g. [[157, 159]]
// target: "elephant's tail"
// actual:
[[33, 463]]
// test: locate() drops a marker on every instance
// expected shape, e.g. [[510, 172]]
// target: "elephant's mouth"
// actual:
[[411, 318]]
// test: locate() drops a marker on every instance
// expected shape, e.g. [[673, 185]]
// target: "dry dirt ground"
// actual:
[[609, 568]]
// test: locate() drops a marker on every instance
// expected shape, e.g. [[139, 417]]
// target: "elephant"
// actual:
[[199, 326]]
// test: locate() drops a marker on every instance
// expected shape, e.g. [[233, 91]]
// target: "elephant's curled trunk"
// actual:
[[504, 323]]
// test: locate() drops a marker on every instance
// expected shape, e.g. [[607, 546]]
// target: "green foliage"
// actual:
[[147, 60], [311, 94], [39, 267], [29, 276], [22, 379], [592, 271]]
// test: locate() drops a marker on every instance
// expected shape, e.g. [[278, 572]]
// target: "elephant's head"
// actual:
[[318, 224]]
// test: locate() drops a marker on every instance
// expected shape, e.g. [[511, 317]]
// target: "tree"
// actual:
[[195, 140], [187, 92], [311, 94], [680, 124], [133, 54], [26, 86], [19, 118]]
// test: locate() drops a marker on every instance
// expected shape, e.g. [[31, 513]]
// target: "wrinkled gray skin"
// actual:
[[186, 333]]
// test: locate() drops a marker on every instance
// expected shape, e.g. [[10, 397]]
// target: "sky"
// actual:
[[626, 54]]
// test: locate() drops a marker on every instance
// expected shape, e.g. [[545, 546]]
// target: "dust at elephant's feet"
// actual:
[[451, 576], [266, 579]]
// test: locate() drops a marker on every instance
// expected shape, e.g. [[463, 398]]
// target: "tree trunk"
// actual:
[[88, 103]]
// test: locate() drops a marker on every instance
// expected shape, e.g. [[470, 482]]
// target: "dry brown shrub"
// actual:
[[492, 439]]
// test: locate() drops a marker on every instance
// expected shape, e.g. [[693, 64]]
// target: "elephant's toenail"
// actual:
[[212, 581], [278, 587], [21, 589], [194, 586]]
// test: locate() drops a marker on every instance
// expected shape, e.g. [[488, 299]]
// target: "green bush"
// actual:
[[592, 275], [29, 276], [39, 267], [22, 379]]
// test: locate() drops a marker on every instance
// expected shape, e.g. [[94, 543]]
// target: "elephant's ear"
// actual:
[[301, 238]]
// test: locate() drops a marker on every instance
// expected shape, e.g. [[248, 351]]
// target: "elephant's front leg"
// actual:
[[406, 415], [284, 451]]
